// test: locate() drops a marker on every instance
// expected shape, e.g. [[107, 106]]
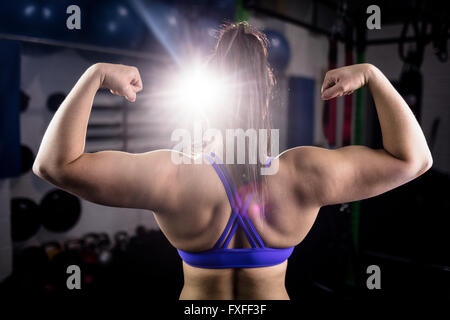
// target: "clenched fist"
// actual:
[[345, 80], [121, 80]]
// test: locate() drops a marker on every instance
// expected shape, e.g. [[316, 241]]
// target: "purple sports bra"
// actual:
[[220, 256]]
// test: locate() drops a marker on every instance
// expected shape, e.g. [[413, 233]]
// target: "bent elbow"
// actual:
[[417, 168], [39, 170], [52, 175], [428, 163], [44, 173]]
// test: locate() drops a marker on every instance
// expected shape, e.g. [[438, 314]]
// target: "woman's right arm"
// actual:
[[357, 172]]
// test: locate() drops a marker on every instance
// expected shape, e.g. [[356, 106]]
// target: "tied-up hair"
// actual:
[[240, 56]]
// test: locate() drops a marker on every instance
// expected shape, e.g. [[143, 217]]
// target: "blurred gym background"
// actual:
[[43, 229]]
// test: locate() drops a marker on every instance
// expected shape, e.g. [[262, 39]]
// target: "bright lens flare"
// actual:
[[198, 90]]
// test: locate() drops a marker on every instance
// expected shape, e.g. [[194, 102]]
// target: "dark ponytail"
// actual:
[[241, 55]]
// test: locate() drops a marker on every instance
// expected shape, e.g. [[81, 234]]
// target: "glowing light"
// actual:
[[254, 210], [198, 89]]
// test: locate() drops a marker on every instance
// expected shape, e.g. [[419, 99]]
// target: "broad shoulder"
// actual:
[[303, 156], [301, 168], [192, 183]]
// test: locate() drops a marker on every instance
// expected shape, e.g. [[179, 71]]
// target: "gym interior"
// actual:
[[44, 50]]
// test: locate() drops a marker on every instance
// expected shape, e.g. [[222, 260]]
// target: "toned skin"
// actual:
[[192, 218]]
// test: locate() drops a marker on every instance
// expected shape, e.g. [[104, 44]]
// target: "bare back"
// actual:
[[198, 226]]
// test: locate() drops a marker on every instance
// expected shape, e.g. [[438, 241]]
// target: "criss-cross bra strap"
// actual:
[[236, 205]]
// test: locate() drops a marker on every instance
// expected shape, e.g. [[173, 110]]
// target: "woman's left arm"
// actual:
[[108, 177]]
